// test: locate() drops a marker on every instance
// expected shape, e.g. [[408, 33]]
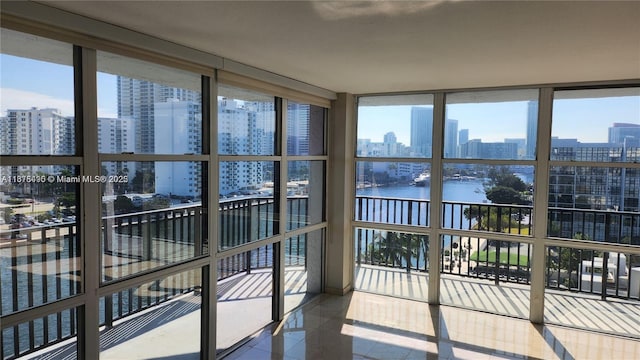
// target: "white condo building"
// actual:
[[178, 125], [244, 128], [36, 132], [117, 136]]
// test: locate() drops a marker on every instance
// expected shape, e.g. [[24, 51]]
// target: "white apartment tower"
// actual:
[[178, 130], [117, 136], [36, 132], [244, 128]]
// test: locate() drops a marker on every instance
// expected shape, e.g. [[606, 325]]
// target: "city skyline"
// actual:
[[594, 117], [25, 89]]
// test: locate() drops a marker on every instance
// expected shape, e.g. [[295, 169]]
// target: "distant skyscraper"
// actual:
[[463, 138], [298, 129], [136, 100], [532, 127], [421, 130], [621, 132], [450, 138]]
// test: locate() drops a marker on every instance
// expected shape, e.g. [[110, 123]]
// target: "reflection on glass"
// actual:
[[37, 334], [488, 197], [305, 129], [248, 197], [393, 192], [391, 263], [39, 242], [395, 126], [37, 94], [491, 125], [176, 322], [305, 193], [147, 108], [303, 268], [599, 125], [246, 122], [594, 203], [245, 295], [151, 219]]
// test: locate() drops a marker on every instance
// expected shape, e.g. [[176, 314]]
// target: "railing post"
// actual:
[[248, 261], [108, 311], [498, 242], [197, 243], [146, 238], [605, 258]]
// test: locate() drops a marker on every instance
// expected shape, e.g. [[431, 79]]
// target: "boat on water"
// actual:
[[423, 179]]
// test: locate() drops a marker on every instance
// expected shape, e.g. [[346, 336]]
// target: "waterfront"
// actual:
[[453, 190]]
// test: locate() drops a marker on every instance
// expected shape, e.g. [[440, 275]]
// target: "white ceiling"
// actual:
[[370, 47]]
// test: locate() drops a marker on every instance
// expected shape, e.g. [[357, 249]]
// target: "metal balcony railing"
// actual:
[[569, 269], [41, 264]]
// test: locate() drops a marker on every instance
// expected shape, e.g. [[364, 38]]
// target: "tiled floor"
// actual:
[[578, 310], [369, 326]]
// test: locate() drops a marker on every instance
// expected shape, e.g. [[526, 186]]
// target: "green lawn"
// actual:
[[507, 259]]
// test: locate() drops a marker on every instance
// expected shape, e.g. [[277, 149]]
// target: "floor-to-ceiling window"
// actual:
[[535, 199], [110, 235], [593, 200], [392, 207]]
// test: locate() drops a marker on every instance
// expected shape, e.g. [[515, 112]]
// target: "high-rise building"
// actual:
[[36, 132], [298, 129], [244, 128], [116, 136], [421, 131], [178, 125], [450, 138], [136, 100], [624, 134], [521, 143]]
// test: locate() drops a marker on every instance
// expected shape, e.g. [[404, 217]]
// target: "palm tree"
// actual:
[[398, 249]]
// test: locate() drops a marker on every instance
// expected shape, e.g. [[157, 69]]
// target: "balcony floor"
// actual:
[[363, 325], [583, 311]]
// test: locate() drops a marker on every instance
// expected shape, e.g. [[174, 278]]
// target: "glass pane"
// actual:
[[53, 336], [595, 276], [303, 268], [248, 195], [245, 295], [305, 129], [152, 219], [246, 122], [147, 108], [395, 126], [595, 203], [39, 242], [488, 198], [491, 125], [600, 125], [393, 192], [164, 311], [392, 263], [487, 275], [305, 193], [36, 88]]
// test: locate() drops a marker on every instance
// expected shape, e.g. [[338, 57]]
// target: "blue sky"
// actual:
[[28, 83], [585, 119]]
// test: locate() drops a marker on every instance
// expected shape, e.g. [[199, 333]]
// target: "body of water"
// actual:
[[453, 190]]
